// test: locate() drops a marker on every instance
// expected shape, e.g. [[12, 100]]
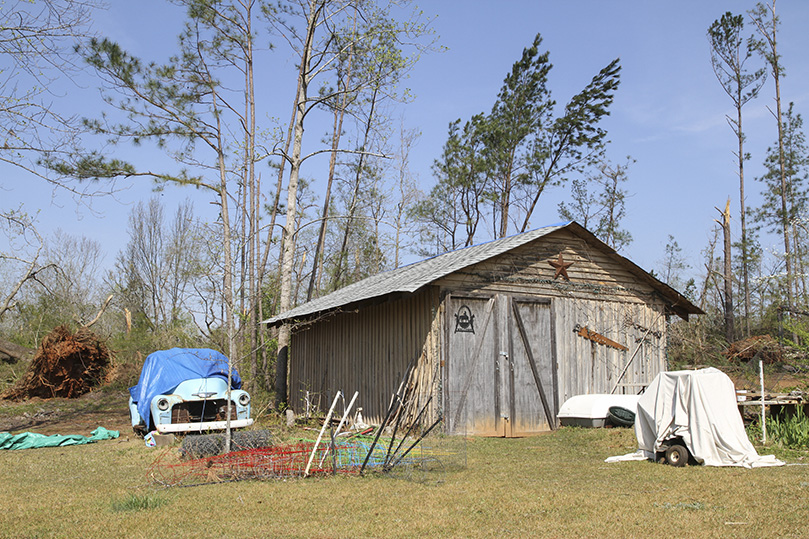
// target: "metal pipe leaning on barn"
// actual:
[[637, 349], [396, 396], [424, 434], [378, 434], [410, 428], [401, 409]]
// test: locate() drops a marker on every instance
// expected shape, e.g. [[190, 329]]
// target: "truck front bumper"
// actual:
[[204, 426]]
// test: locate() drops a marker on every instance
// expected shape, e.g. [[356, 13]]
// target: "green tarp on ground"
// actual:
[[33, 440]]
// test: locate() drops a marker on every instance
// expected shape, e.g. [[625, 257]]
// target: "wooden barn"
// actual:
[[498, 335]]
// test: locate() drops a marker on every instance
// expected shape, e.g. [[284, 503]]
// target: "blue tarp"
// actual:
[[164, 370]]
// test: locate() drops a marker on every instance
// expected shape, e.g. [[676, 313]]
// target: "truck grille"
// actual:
[[200, 411]]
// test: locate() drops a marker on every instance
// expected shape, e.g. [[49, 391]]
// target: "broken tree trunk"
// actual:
[[14, 353], [728, 272]]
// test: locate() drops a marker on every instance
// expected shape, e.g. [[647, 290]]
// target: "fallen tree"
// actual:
[[758, 347], [66, 365], [14, 353]]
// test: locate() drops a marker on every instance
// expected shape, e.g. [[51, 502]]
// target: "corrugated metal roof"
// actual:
[[412, 277]]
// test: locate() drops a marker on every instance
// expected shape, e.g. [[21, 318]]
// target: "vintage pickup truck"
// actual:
[[186, 390]]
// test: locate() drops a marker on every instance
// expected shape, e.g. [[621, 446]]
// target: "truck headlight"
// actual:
[[244, 399], [163, 404]]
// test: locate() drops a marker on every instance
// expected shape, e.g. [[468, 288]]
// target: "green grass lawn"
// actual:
[[555, 485]]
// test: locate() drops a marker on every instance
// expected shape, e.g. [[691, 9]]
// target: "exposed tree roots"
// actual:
[[66, 365], [759, 347]]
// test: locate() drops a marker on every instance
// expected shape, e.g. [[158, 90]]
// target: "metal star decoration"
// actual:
[[561, 267]]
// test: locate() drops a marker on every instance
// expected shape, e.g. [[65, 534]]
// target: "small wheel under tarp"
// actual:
[[677, 455], [621, 417]]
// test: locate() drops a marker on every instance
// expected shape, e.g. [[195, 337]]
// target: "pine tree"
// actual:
[[729, 54]]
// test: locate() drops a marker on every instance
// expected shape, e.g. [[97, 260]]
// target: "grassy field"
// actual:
[[556, 485]]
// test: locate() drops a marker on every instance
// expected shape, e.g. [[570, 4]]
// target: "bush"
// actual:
[[789, 431], [697, 342]]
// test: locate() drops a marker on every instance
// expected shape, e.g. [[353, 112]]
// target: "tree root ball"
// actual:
[[66, 365], [761, 347]]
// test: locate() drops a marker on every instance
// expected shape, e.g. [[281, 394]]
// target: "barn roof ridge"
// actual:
[[414, 276]]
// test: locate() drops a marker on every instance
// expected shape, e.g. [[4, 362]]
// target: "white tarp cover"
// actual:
[[700, 407]]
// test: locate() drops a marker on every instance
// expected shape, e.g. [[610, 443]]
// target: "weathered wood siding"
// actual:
[[499, 365], [367, 351], [525, 270], [602, 295], [584, 366]]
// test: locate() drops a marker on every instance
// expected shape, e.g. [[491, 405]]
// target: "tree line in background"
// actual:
[[180, 279], [770, 286], [304, 209]]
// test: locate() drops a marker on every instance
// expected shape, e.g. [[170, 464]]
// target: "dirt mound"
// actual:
[[758, 347], [66, 365]]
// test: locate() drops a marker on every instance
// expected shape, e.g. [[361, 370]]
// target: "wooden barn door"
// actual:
[[500, 376], [532, 376], [472, 366]]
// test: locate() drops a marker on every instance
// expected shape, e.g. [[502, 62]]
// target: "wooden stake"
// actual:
[[320, 436], [339, 426]]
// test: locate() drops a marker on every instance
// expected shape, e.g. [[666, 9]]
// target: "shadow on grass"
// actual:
[[88, 411]]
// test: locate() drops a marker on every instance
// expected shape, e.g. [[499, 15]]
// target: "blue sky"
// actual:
[[669, 112]]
